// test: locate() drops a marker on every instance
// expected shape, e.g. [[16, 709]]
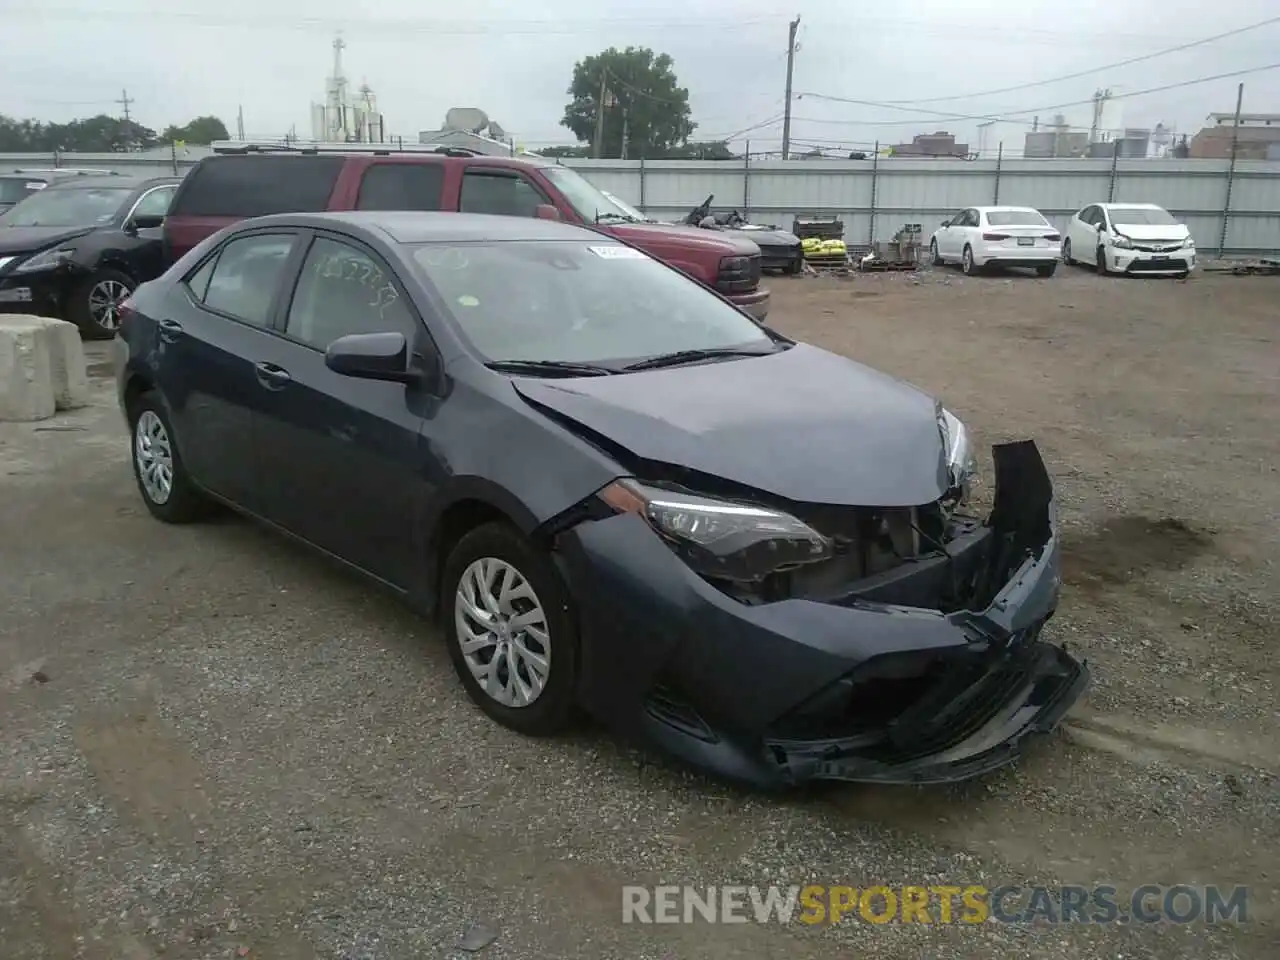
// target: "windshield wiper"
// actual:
[[602, 217], [692, 356], [543, 368]]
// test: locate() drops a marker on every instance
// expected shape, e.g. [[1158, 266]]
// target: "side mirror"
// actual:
[[371, 356], [945, 223], [1101, 227], [545, 211], [145, 221]]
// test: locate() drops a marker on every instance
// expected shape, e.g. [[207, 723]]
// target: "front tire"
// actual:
[[162, 477], [95, 304], [512, 636], [935, 258], [1066, 254], [966, 261], [1101, 262]]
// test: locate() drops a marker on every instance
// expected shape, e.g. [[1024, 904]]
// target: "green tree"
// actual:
[[100, 134], [701, 150], [565, 152], [642, 96], [202, 130]]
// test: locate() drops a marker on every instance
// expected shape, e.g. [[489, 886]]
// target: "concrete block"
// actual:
[[68, 370], [26, 374]]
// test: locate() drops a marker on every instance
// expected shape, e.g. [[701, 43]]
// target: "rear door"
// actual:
[[401, 185], [221, 190], [340, 457], [219, 319]]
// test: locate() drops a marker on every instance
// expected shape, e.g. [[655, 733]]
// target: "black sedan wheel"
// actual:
[[157, 466], [95, 304], [511, 636]]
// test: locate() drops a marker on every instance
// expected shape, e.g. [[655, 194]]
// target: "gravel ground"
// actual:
[[213, 744]]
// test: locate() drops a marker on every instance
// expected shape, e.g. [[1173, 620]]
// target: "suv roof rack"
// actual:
[[69, 171], [312, 149]]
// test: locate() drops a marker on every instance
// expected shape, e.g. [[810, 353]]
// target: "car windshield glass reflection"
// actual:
[[1141, 216], [70, 207], [579, 302]]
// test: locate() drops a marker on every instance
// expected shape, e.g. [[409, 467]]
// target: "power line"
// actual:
[[1084, 73], [1011, 115]]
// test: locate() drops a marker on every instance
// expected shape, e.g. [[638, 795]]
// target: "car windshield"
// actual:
[[624, 206], [1016, 218], [588, 201], [1150, 216], [67, 207], [578, 302]]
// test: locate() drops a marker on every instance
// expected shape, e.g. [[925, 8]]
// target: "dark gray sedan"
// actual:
[[615, 489]]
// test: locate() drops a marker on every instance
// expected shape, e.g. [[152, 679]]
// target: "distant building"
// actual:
[[1056, 140], [939, 144], [1259, 133], [1134, 145], [343, 117]]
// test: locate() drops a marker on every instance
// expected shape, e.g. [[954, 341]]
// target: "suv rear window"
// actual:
[[401, 186], [257, 186]]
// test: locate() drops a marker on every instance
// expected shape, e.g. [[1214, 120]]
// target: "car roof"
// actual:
[[1013, 209], [431, 227], [1128, 206]]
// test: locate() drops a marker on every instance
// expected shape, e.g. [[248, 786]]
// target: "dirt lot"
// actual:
[[213, 745]]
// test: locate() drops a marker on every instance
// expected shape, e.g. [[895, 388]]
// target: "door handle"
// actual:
[[271, 376], [170, 330]]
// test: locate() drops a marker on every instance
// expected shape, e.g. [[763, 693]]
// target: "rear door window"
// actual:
[[247, 277], [13, 189], [257, 186], [502, 193], [401, 186]]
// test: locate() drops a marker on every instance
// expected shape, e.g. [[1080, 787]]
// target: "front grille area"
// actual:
[[739, 274], [1157, 265], [1158, 246]]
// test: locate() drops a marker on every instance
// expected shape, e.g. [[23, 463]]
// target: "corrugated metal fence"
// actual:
[[876, 197]]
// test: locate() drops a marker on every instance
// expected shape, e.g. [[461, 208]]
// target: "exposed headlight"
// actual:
[[719, 538], [5, 261], [45, 260], [961, 465], [1123, 242], [1189, 243]]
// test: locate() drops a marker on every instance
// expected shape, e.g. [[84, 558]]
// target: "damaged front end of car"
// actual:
[[796, 642]]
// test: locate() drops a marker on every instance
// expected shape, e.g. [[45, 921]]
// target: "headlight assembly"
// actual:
[[719, 538], [1122, 242], [961, 465], [45, 260]]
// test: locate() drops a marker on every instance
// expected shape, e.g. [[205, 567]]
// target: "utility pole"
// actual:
[[124, 102], [604, 91], [791, 63], [624, 133], [1231, 171], [240, 123]]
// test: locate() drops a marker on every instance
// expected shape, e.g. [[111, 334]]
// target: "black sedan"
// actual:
[[78, 247], [616, 490]]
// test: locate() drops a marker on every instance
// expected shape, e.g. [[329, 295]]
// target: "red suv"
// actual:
[[253, 181]]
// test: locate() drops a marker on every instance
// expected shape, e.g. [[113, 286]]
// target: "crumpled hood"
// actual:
[[30, 239], [804, 424], [1147, 231], [766, 236]]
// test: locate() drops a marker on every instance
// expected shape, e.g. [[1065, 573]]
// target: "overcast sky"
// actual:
[[69, 58]]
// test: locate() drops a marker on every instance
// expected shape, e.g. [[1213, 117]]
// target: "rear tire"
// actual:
[[161, 475], [551, 636], [1047, 270], [94, 303], [966, 262]]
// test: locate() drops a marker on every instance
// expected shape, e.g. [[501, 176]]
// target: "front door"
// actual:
[[340, 458]]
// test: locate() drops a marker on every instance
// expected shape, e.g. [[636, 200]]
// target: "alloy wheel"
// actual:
[[502, 632], [968, 260], [105, 298], [154, 455]]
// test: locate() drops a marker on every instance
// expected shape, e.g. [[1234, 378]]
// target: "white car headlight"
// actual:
[[719, 538], [1188, 244], [961, 465], [1123, 242], [45, 260]]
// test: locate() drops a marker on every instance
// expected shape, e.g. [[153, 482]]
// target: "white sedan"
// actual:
[[997, 236], [1129, 238]]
